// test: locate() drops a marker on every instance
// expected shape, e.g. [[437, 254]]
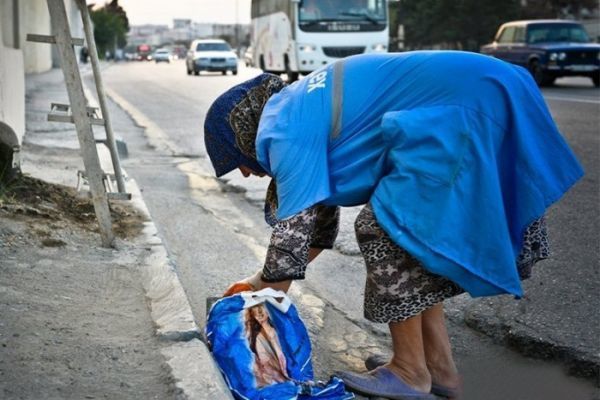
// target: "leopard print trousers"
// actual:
[[398, 287]]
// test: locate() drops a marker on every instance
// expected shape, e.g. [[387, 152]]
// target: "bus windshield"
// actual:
[[369, 11]]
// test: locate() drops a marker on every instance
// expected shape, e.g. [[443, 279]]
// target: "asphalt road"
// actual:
[[215, 234]]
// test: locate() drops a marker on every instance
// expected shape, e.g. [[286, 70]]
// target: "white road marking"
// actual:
[[573, 99]]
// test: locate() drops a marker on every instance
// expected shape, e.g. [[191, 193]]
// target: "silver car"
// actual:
[[211, 55], [161, 55]]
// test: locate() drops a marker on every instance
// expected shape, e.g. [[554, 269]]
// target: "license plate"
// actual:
[[580, 68]]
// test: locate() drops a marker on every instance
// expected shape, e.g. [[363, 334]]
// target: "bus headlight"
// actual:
[[307, 48], [553, 56], [562, 55], [379, 47]]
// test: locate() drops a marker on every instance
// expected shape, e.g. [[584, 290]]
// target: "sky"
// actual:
[[163, 12]]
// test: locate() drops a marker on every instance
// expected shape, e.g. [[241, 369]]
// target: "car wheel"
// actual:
[[196, 72], [189, 71], [596, 80], [224, 72], [536, 71], [540, 77], [234, 72]]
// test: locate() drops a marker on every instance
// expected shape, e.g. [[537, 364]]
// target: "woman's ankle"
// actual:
[[445, 375], [418, 378]]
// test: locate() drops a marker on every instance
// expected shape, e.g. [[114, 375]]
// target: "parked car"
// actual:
[[211, 55], [549, 49], [162, 55]]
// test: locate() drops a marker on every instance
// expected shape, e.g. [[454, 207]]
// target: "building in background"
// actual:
[[18, 58], [186, 30]]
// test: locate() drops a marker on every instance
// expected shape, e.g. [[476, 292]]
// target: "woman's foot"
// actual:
[[382, 382], [449, 386]]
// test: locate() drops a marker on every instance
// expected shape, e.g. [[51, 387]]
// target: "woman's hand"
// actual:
[[249, 284]]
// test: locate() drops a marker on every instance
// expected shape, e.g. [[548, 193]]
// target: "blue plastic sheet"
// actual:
[[263, 349]]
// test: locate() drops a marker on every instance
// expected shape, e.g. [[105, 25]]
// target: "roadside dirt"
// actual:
[[74, 323], [33, 197]]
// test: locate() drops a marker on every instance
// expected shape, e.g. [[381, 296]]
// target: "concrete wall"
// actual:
[[12, 100], [6, 23], [34, 18], [19, 57]]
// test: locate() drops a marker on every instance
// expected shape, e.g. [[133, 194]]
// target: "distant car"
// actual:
[[549, 49], [248, 57], [211, 55], [143, 52], [162, 55]]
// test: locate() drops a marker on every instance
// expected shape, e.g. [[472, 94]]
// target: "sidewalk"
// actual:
[[78, 320]]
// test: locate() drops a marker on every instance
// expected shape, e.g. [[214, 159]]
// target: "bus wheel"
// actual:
[[291, 76], [262, 62]]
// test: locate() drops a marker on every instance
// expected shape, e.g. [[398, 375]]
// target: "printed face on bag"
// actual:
[[259, 313]]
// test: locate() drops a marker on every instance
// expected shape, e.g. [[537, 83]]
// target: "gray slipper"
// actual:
[[383, 383], [377, 360]]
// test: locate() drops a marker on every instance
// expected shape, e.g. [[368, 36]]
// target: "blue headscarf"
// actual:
[[232, 121]]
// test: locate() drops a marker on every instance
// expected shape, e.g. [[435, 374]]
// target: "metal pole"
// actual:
[[110, 137]]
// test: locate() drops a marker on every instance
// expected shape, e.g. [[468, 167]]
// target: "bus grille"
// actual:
[[340, 52]]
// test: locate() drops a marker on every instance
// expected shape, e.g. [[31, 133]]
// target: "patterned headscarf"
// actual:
[[232, 122]]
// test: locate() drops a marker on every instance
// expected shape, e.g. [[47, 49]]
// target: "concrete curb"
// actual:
[[168, 303], [183, 358], [193, 369]]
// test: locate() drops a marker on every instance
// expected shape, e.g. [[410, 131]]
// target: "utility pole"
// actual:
[[237, 28]]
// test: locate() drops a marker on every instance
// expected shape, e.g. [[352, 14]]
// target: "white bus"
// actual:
[[299, 36]]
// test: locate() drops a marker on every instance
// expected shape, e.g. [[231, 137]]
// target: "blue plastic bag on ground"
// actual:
[[263, 350]]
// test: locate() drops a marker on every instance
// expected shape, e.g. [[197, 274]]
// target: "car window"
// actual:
[[546, 33], [213, 47], [519, 34], [507, 35]]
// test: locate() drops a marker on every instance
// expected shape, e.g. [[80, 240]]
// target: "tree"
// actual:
[[467, 24], [454, 24], [110, 27], [556, 8]]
